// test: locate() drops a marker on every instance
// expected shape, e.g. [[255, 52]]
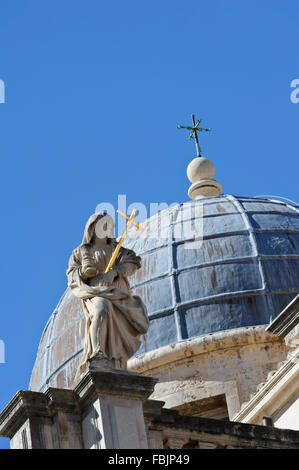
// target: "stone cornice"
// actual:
[[279, 381], [113, 382], [20, 407], [286, 320], [213, 342], [237, 433]]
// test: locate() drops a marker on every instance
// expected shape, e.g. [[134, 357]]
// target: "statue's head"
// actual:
[[100, 225]]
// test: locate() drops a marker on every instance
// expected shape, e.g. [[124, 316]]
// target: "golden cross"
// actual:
[[193, 134], [118, 247]]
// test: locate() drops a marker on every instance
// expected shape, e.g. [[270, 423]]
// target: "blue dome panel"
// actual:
[[214, 249], [206, 282], [242, 272], [281, 274], [232, 313], [274, 222], [161, 332], [278, 243]]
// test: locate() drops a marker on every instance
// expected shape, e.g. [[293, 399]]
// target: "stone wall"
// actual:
[[212, 375], [111, 409]]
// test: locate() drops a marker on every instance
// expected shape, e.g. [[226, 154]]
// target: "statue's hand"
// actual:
[[86, 274], [108, 278]]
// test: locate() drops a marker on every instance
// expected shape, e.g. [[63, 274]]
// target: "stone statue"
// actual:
[[115, 318]]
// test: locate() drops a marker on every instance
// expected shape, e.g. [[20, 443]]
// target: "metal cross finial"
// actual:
[[194, 130]]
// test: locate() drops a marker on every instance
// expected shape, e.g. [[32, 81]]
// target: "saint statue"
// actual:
[[115, 318]]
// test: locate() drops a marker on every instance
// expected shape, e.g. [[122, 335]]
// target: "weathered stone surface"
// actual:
[[278, 397], [113, 382], [42, 420], [112, 403], [110, 409], [179, 432], [230, 364], [287, 321], [103, 411]]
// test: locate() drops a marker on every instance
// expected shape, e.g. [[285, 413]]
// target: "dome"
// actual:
[[209, 265]]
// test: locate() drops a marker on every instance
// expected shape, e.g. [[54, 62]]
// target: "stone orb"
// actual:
[[200, 168]]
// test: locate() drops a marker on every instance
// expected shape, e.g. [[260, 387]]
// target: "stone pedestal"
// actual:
[[103, 411], [112, 400]]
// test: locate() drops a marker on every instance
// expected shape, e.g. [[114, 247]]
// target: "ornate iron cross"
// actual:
[[194, 130]]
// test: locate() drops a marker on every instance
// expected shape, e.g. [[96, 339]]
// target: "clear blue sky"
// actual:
[[94, 93]]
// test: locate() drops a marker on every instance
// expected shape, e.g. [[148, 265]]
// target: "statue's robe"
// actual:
[[125, 319]]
